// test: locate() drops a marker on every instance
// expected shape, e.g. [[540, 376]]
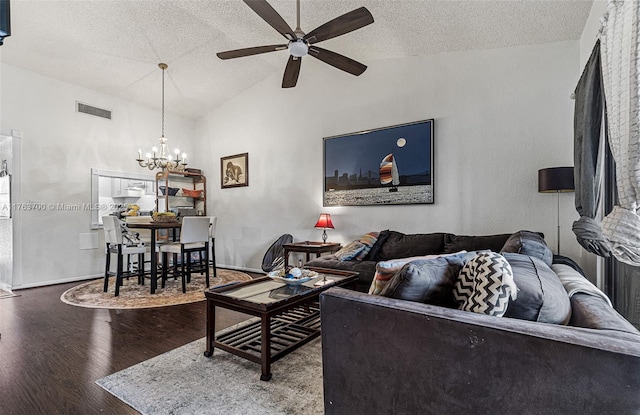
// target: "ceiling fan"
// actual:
[[301, 44]]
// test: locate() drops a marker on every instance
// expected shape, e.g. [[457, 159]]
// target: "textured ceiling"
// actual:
[[114, 46]]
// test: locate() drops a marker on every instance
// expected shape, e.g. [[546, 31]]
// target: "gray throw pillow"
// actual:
[[529, 243], [541, 295], [427, 281]]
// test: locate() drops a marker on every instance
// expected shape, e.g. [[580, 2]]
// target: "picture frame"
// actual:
[[384, 166], [234, 171]]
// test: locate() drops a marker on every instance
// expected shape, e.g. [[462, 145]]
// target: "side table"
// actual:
[[309, 247]]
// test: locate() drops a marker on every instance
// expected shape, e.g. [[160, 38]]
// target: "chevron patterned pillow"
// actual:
[[485, 285]]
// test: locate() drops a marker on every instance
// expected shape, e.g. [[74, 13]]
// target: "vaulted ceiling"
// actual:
[[114, 46]]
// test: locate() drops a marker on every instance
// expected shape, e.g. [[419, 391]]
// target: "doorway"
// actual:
[[6, 215]]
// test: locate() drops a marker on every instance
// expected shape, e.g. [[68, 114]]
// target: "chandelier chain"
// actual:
[[163, 69]]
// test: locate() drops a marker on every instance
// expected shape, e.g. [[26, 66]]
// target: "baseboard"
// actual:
[[59, 281]]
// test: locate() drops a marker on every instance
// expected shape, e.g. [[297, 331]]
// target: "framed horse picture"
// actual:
[[234, 171]]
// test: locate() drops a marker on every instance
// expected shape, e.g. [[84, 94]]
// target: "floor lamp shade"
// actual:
[[556, 180]]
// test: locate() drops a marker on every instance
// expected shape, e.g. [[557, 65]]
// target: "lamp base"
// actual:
[[324, 236]]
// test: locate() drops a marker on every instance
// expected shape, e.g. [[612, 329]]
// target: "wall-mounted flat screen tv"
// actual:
[[386, 166], [5, 20]]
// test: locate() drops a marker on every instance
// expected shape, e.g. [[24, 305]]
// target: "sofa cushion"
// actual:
[[368, 240], [385, 270], [563, 260], [485, 285], [349, 251], [373, 253], [365, 269], [426, 281], [455, 243], [400, 245], [541, 295], [529, 243]]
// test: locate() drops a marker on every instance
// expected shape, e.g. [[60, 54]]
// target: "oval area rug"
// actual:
[[132, 295]]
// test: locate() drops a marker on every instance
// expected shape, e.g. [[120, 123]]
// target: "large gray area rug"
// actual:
[[183, 381]]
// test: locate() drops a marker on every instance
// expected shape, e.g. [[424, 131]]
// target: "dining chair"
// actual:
[[212, 251], [194, 237], [116, 243], [213, 220]]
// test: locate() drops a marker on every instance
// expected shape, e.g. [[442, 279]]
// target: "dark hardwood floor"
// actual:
[[51, 353]]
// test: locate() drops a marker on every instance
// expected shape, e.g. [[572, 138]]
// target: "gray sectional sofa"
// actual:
[[390, 355]]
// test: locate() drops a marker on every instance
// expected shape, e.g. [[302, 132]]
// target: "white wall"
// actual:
[[500, 115], [591, 29], [59, 148]]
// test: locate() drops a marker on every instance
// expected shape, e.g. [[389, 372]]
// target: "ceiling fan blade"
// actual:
[[346, 23], [269, 15], [291, 72], [238, 53], [338, 61]]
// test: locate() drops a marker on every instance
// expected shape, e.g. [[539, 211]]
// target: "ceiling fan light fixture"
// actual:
[[298, 48], [299, 44]]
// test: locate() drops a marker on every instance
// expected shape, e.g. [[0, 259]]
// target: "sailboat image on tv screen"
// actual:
[[389, 172]]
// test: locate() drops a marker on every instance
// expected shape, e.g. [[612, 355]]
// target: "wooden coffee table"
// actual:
[[289, 316]]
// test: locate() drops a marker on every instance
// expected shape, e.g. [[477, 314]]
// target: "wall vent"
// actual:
[[95, 111]]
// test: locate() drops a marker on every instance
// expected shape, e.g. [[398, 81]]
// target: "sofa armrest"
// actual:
[[394, 356]]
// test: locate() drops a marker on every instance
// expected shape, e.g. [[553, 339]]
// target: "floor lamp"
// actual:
[[556, 180]]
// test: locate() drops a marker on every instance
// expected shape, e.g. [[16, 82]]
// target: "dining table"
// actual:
[[154, 226]]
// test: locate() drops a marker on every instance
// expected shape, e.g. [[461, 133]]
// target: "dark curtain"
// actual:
[[588, 115]]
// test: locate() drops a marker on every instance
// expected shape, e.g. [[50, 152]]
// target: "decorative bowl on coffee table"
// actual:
[[294, 276], [291, 281]]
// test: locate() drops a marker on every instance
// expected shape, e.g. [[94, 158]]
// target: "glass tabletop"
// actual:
[[271, 291]]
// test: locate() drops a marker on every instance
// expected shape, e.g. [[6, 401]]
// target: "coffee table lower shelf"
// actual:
[[287, 331], [288, 315]]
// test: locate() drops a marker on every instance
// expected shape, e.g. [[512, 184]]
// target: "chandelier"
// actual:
[[162, 159]]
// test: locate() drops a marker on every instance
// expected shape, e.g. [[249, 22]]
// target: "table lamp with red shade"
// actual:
[[324, 222]]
